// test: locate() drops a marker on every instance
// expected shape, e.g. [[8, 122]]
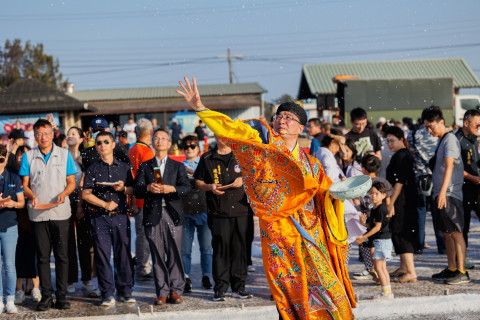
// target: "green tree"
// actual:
[[29, 61]]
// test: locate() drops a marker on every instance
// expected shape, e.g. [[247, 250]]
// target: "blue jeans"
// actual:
[[204, 236], [422, 217], [8, 246]]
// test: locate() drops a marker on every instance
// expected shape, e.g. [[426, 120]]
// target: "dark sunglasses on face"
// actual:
[[2, 159], [191, 146], [99, 142]]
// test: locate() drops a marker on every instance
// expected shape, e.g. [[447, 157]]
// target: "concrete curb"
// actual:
[[250, 313], [367, 309], [430, 305]]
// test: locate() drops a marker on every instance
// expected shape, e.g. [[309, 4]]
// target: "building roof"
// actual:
[[165, 92], [319, 77], [31, 95]]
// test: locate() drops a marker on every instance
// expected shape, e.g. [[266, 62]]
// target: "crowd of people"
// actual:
[[65, 194], [77, 199], [428, 166]]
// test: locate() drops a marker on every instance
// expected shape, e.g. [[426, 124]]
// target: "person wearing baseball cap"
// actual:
[[90, 155], [99, 124], [302, 227], [16, 139]]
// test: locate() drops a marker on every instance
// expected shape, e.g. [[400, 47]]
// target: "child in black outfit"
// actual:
[[378, 225]]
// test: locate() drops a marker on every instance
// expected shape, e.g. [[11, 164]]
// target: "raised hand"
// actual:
[[191, 95]]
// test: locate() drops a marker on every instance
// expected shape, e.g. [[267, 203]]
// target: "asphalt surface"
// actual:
[[421, 297]]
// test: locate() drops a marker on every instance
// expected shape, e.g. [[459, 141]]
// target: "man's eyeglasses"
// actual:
[[42, 134], [161, 139], [100, 142], [2, 160], [191, 146], [287, 118]]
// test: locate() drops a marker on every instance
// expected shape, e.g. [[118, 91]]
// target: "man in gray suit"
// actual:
[[161, 181]]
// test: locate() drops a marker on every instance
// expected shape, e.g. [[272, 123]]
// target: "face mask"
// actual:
[[111, 125]]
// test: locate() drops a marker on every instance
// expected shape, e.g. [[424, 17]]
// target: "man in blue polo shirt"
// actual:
[[48, 176]]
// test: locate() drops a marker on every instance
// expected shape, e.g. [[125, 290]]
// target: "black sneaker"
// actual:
[[62, 304], [242, 294], [45, 303], [145, 277], [206, 283], [458, 278], [443, 275], [219, 296], [188, 285]]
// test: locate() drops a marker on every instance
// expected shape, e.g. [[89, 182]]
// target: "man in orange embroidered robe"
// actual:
[[303, 233]]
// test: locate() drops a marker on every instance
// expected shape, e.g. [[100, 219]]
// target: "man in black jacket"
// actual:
[[219, 175], [163, 217]]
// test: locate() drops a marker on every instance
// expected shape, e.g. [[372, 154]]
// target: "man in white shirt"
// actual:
[[130, 127]]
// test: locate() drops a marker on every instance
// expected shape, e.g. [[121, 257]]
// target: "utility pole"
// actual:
[[230, 66]]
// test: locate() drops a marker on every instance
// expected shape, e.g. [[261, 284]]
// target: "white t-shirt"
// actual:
[[130, 129]]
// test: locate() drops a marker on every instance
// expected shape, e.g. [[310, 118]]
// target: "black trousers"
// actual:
[[48, 235], [229, 263], [84, 242], [469, 205]]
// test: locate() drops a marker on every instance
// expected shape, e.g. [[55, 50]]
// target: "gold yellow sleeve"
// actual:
[[223, 126]]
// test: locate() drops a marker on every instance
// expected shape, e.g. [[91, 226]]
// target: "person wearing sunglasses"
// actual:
[[288, 191], [48, 175], [90, 155], [195, 213], [161, 182], [106, 186], [468, 138]]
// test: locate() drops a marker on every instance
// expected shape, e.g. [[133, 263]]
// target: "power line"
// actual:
[[162, 12]]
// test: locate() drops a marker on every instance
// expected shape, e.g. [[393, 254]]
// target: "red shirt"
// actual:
[[139, 153]]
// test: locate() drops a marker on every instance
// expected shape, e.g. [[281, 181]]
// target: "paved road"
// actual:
[[423, 298]]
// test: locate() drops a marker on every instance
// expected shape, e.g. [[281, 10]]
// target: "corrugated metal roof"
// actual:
[[319, 77], [165, 92], [30, 95]]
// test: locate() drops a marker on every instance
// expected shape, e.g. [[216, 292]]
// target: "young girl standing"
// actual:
[[379, 232]]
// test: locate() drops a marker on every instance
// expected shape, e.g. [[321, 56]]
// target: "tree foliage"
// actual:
[[29, 61]]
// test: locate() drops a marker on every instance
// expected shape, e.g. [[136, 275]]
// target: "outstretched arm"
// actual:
[[218, 122], [191, 95]]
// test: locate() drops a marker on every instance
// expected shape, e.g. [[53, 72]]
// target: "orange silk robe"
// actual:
[[302, 232]]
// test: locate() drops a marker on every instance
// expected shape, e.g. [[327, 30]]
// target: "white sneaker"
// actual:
[[71, 288], [364, 275], [19, 297], [384, 297], [108, 302], [250, 268], [11, 307], [129, 299], [36, 295]]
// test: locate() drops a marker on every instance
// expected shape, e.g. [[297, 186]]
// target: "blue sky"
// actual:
[[125, 44]]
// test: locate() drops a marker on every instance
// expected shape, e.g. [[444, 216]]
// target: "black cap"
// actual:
[[294, 108], [16, 134]]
